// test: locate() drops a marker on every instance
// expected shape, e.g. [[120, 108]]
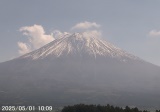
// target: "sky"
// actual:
[[133, 25]]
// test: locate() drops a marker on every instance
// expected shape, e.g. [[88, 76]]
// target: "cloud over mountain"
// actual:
[[36, 38], [23, 48], [154, 33], [85, 25]]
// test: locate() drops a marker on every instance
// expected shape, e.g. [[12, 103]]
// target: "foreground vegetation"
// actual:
[[93, 108], [99, 108]]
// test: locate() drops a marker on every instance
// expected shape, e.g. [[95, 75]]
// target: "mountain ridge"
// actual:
[[76, 69], [78, 43]]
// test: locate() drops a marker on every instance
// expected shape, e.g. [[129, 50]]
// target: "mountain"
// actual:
[[79, 68]]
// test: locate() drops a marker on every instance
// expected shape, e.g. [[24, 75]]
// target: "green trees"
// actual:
[[99, 108]]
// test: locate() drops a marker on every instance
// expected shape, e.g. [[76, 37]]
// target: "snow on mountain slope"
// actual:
[[79, 68], [79, 43]]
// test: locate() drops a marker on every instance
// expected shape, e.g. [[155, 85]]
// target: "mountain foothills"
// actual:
[[79, 68]]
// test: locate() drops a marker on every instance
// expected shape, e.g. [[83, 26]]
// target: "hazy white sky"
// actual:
[[133, 25]]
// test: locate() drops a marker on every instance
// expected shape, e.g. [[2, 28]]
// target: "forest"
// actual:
[[92, 108], [100, 108]]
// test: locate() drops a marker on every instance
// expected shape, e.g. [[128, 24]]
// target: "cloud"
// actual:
[[92, 33], [153, 39], [90, 29], [36, 38], [23, 48], [154, 33], [85, 25], [58, 34]]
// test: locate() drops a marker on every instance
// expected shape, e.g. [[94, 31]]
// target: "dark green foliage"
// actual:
[[99, 108]]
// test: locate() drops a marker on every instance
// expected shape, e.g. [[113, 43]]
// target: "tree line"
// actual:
[[100, 108]]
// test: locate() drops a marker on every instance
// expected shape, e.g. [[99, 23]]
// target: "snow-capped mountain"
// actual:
[[79, 68], [78, 43]]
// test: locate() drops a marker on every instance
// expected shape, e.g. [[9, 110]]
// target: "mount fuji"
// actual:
[[79, 68]]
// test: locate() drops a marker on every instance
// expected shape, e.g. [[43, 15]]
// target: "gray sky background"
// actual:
[[133, 25]]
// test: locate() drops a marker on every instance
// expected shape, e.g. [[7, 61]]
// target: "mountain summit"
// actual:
[[79, 44], [79, 68]]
